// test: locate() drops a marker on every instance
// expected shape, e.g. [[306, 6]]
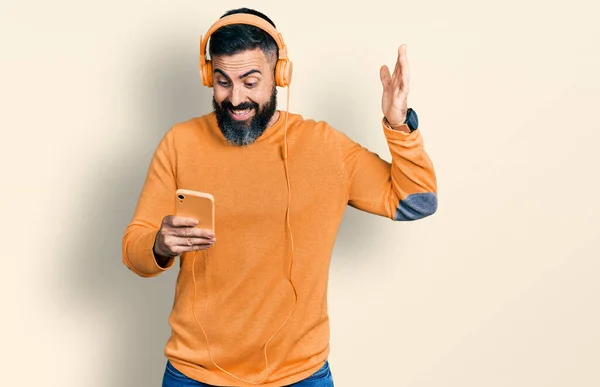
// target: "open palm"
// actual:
[[395, 89]]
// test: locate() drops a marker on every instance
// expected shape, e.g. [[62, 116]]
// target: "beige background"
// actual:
[[499, 288]]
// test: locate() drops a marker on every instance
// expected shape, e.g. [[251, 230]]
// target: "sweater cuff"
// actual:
[[146, 264], [398, 134]]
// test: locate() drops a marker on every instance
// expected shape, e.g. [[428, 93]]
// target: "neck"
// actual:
[[273, 119]]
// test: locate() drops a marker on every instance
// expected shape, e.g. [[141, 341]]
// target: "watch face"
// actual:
[[412, 120]]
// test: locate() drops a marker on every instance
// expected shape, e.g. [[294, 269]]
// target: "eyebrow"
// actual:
[[241, 76]]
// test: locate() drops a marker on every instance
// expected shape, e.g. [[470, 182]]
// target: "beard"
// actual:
[[244, 132]]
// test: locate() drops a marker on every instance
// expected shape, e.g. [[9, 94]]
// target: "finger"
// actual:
[[401, 70], [180, 221], [192, 232], [405, 74], [398, 67], [386, 78], [192, 241], [178, 250]]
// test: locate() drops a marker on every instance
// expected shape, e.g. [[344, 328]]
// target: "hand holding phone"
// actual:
[[191, 229]]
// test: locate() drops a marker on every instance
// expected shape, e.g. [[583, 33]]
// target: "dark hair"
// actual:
[[235, 38]]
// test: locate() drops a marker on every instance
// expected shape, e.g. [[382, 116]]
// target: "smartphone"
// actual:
[[197, 205]]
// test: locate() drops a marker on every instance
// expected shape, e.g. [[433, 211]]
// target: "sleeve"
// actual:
[[403, 190], [155, 202]]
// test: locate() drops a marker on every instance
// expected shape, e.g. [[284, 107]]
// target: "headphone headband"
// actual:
[[244, 18]]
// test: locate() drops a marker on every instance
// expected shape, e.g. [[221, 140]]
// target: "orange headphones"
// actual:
[[283, 78], [283, 69]]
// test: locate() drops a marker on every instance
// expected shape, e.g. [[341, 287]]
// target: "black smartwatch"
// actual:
[[412, 120]]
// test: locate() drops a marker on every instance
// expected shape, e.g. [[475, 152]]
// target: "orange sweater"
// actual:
[[243, 289]]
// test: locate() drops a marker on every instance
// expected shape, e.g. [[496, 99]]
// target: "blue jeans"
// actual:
[[173, 378]]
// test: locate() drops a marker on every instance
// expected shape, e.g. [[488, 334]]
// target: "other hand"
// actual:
[[395, 89]]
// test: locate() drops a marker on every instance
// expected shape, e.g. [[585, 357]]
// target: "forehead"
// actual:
[[239, 63]]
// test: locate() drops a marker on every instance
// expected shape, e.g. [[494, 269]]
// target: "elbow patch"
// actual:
[[416, 206]]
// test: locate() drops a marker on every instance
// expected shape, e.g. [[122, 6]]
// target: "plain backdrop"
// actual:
[[499, 288]]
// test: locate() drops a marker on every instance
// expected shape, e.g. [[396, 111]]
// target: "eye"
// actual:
[[250, 84], [223, 83]]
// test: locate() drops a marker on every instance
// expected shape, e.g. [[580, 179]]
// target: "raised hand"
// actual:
[[395, 89]]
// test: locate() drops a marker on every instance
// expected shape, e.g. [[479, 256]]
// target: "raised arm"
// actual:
[[406, 188]]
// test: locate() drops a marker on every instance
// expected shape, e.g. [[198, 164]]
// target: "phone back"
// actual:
[[197, 205]]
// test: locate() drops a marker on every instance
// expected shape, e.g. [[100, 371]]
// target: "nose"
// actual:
[[237, 95]]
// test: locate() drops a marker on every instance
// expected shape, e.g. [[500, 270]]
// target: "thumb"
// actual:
[[384, 74]]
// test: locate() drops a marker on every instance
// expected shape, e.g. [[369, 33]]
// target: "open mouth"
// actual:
[[240, 114]]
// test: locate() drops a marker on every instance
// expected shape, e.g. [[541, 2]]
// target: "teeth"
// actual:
[[241, 112]]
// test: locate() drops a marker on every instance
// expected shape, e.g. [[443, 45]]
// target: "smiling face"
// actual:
[[244, 96]]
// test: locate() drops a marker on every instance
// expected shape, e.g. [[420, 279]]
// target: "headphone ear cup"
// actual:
[[288, 72], [283, 72], [207, 74], [278, 79]]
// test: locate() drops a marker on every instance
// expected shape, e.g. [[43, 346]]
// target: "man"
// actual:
[[251, 308]]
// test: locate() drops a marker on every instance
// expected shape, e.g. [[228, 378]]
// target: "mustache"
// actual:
[[226, 104]]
